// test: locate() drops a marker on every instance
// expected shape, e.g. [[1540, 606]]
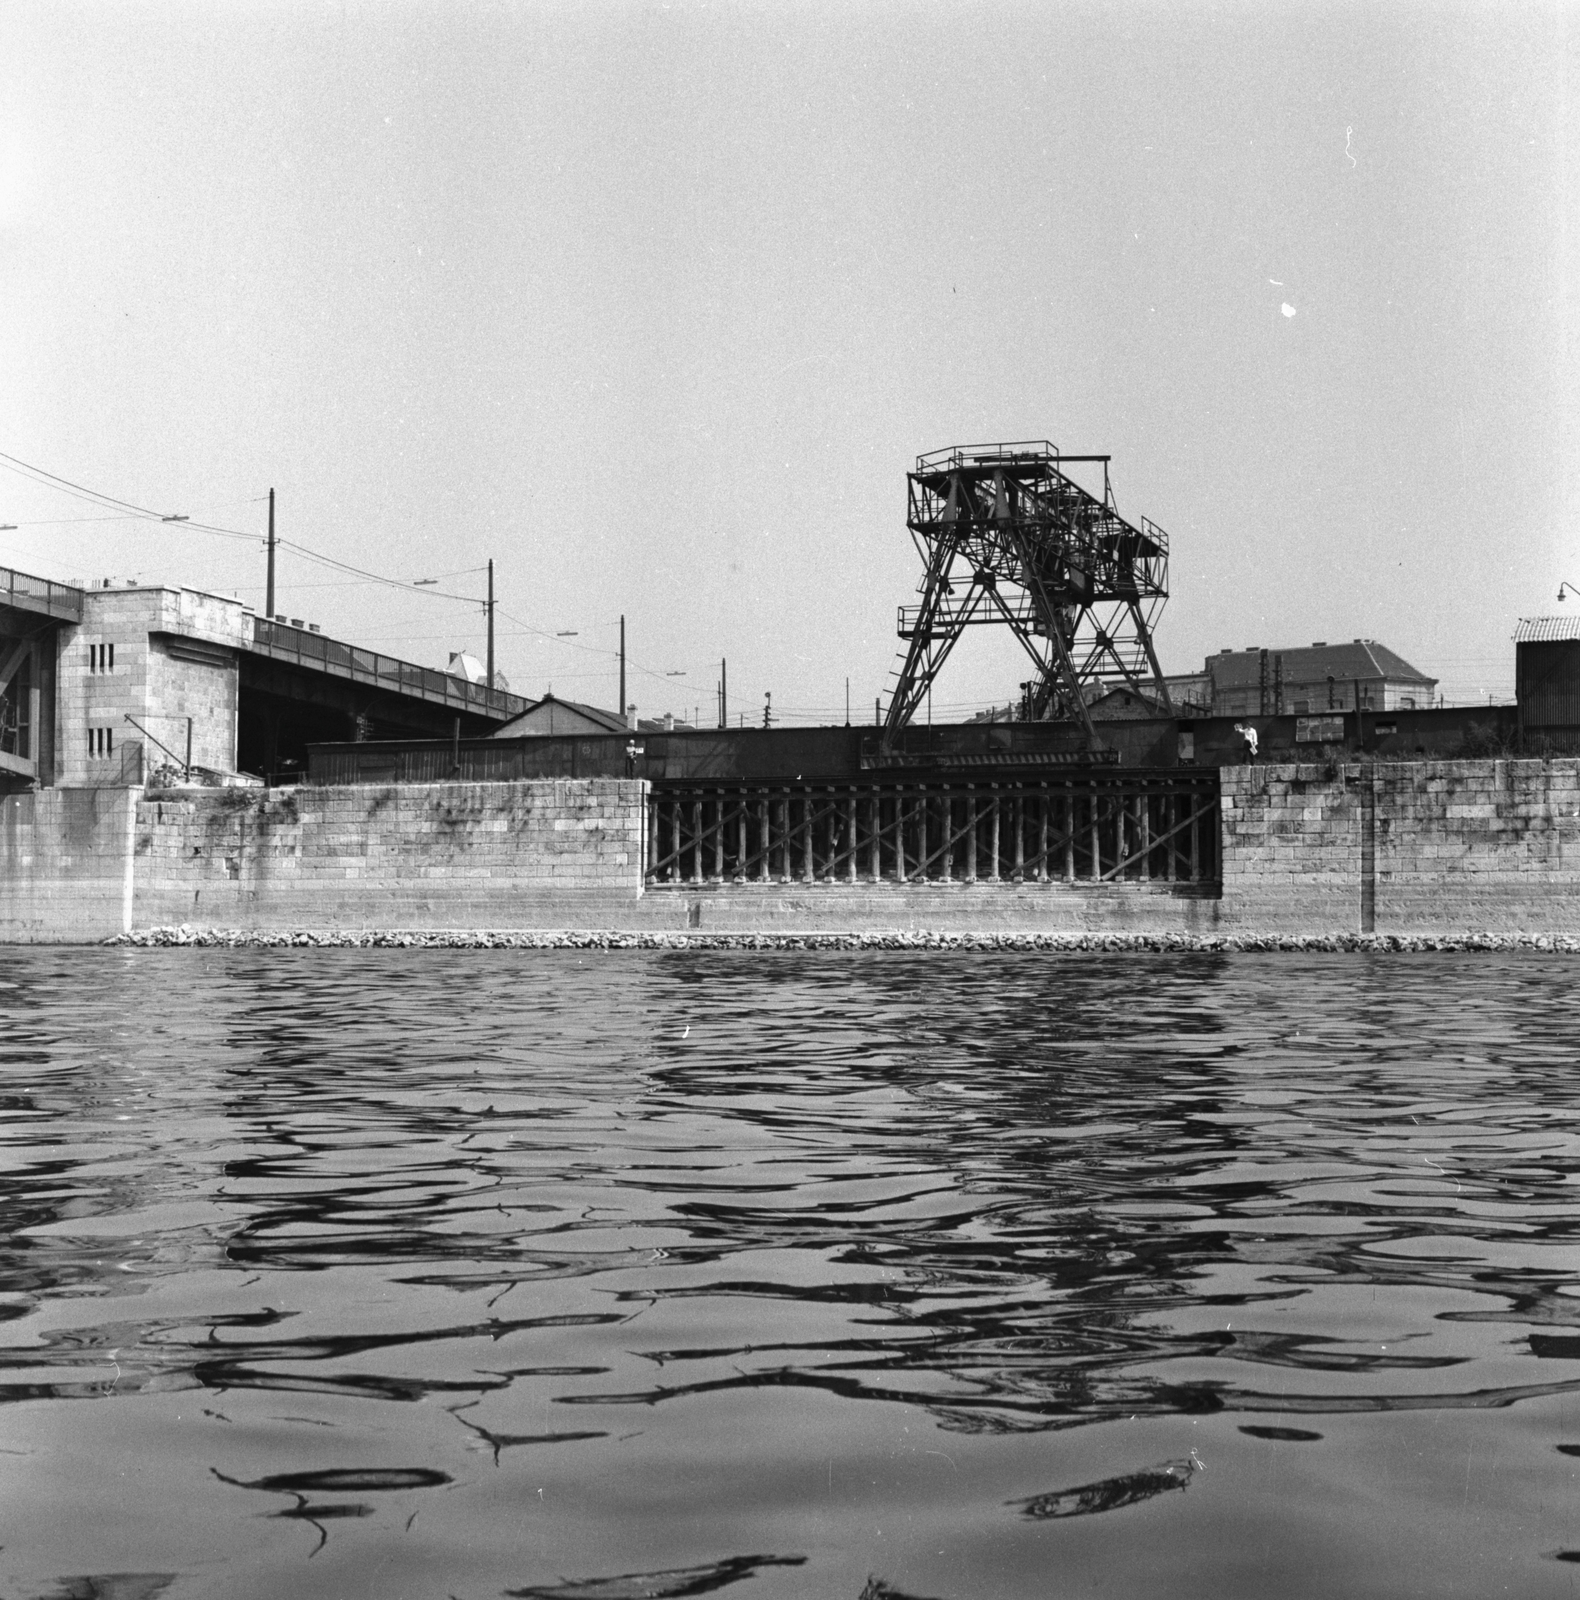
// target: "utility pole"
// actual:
[[490, 622], [268, 601], [724, 692], [847, 702], [622, 667]]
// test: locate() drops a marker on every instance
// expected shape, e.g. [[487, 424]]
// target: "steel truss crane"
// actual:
[[1007, 538]]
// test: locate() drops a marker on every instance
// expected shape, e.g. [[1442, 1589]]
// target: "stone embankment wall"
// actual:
[[424, 855], [66, 860], [957, 908], [1421, 849], [1408, 847], [88, 864]]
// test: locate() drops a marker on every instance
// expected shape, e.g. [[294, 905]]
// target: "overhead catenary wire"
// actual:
[[1451, 689], [589, 649], [67, 486], [127, 510], [131, 511], [61, 522], [404, 584], [361, 575]]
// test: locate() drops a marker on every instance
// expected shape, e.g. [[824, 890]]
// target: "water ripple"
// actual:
[[544, 1266]]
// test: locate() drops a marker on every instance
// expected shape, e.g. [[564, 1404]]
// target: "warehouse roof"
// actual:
[[1360, 658], [1532, 630]]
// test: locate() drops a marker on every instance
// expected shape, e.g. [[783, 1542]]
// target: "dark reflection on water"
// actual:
[[660, 1585], [113, 1586], [481, 1273], [1112, 1494]]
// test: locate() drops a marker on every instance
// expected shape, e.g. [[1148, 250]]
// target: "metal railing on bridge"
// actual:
[[1077, 828], [303, 647], [22, 590]]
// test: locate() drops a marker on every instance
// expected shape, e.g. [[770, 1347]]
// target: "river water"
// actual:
[[414, 1274]]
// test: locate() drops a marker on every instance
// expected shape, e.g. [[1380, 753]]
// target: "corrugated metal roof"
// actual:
[[1361, 658], [1531, 630]]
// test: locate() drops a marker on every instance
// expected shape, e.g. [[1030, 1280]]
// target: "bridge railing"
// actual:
[[1088, 828], [27, 593], [309, 649]]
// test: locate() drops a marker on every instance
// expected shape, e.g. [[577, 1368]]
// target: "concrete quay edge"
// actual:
[[650, 939]]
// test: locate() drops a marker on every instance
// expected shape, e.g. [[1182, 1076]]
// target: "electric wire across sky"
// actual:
[[121, 510], [129, 511]]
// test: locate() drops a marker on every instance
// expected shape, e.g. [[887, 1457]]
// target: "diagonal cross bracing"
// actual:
[[1007, 537]]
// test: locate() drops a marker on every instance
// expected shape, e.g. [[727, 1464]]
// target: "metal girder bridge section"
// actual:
[[32, 610], [318, 654], [39, 597], [1007, 538]]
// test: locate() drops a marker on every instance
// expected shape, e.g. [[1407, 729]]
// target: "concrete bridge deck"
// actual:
[[106, 684]]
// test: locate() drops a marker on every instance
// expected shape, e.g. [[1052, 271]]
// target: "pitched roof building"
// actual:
[[1120, 703], [551, 716], [1361, 675]]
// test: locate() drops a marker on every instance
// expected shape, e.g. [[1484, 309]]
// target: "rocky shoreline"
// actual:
[[516, 939]]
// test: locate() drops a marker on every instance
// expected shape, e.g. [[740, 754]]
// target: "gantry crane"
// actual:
[[1008, 538]]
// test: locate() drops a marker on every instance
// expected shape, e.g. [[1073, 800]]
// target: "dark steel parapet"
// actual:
[[1092, 827], [303, 648], [24, 592]]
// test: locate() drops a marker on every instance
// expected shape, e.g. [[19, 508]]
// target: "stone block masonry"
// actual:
[[66, 860], [147, 665], [913, 910], [1417, 850], [531, 854], [505, 855], [1428, 847], [84, 864]]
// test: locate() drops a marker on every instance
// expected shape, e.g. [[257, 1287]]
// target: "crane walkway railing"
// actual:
[[1105, 827]]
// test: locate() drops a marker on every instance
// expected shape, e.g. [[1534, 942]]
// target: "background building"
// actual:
[[1547, 678], [551, 718], [1359, 676]]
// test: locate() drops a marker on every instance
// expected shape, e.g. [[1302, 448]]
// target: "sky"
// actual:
[[654, 305]]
